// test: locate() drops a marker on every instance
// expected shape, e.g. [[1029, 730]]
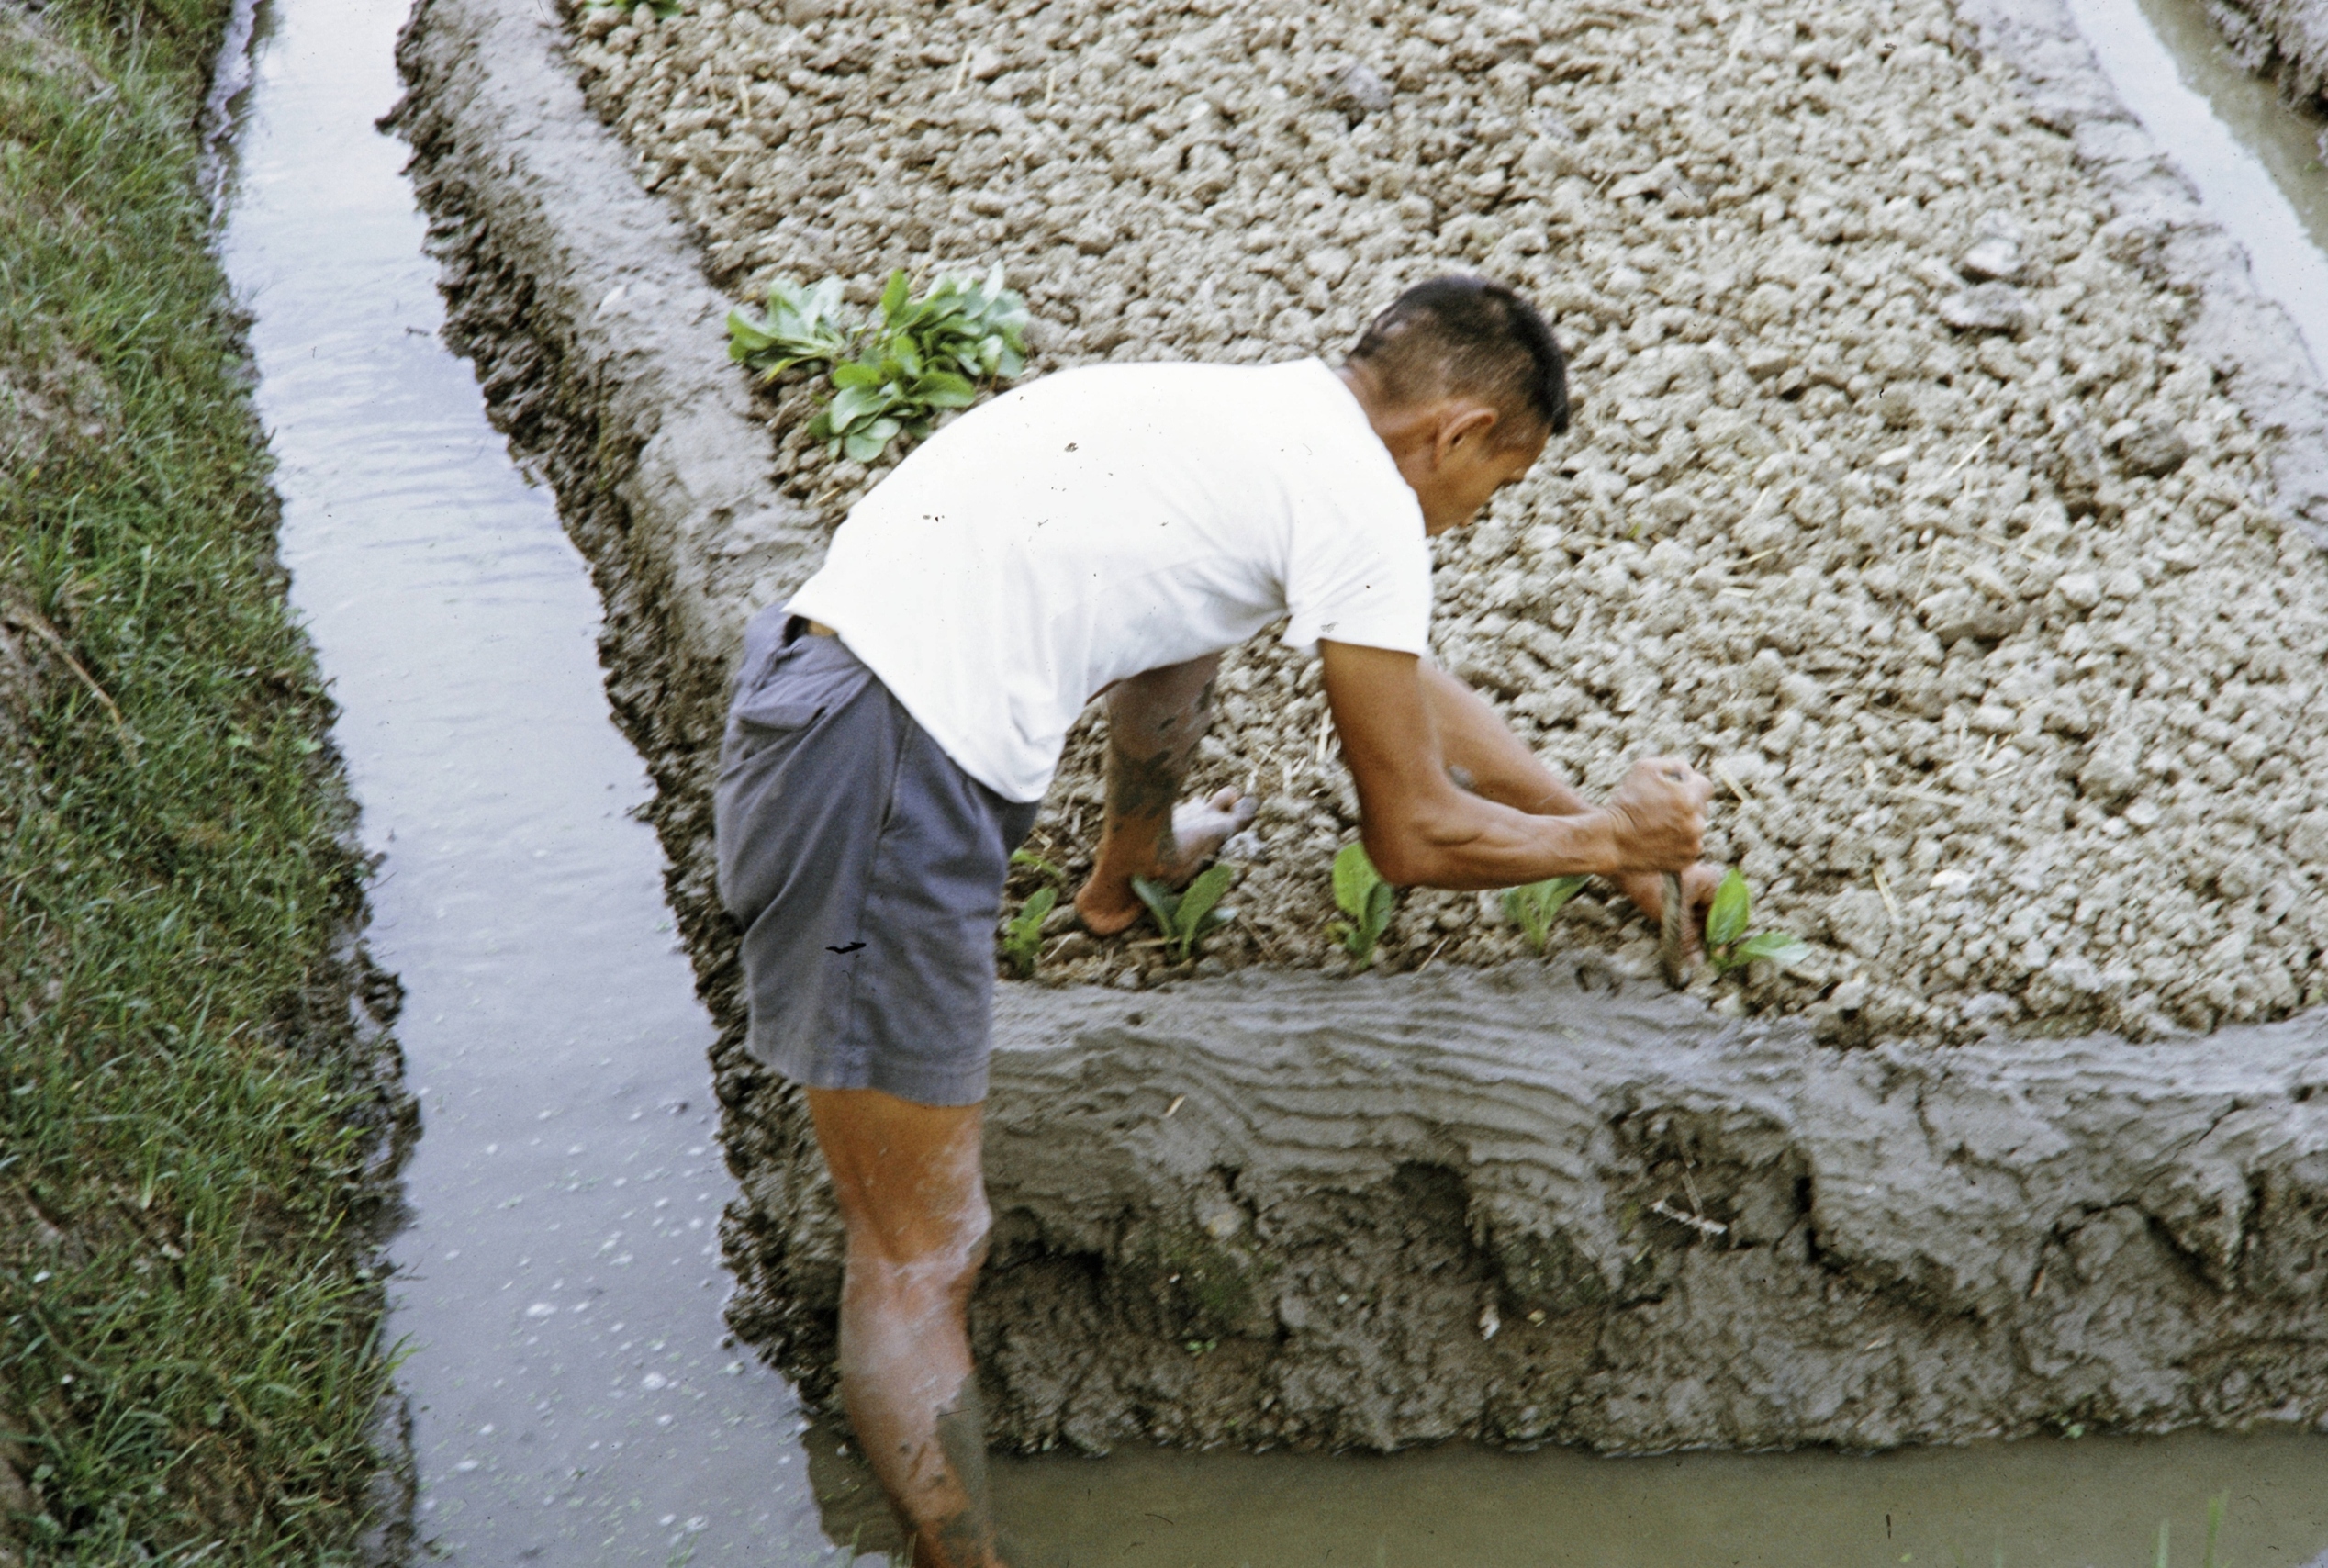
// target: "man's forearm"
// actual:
[[1136, 830], [1466, 843], [1495, 763]]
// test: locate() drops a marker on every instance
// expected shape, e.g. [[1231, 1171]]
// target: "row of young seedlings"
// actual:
[[1188, 915]]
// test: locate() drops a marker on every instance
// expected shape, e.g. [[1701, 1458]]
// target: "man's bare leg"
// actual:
[[1154, 722], [914, 1200]]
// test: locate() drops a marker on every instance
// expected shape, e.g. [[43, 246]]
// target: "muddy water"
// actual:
[[574, 1399], [2056, 1503], [559, 1284]]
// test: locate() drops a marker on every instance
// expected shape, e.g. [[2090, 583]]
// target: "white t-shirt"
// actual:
[[1103, 522]]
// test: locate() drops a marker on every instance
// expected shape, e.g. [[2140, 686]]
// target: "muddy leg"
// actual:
[[908, 1180], [1154, 722]]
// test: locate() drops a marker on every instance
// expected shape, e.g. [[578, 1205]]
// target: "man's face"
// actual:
[[1461, 471]]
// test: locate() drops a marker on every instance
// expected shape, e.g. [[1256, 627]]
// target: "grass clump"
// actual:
[[895, 374], [191, 1134]]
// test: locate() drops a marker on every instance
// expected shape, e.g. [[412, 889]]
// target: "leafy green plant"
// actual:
[[1023, 933], [1727, 944], [802, 325], [1532, 908], [895, 374], [1360, 893], [1186, 917]]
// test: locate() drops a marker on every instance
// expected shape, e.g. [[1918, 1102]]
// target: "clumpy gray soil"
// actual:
[[1900, 496]]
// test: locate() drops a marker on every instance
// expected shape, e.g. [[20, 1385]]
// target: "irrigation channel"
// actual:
[[574, 1398]]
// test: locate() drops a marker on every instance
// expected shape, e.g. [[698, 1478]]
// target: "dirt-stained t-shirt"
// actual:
[[1107, 521]]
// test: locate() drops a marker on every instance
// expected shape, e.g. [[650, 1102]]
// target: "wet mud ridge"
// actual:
[[2285, 39], [1520, 1202]]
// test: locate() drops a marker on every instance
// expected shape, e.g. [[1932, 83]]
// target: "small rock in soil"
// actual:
[[1993, 259], [1986, 307], [1357, 90]]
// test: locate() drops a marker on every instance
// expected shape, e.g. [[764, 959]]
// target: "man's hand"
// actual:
[[1107, 904], [1659, 814], [1647, 891]]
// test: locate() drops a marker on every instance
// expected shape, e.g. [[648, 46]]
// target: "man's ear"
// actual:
[[1475, 421]]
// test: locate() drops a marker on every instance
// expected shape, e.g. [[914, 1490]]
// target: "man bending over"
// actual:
[[895, 724]]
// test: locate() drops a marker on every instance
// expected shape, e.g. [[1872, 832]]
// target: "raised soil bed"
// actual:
[[1937, 473]]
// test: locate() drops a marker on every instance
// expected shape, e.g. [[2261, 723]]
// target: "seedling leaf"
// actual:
[[1032, 861], [1729, 947], [1726, 921], [1360, 893], [1533, 907], [1779, 947], [1186, 917], [1197, 911], [1023, 937], [1354, 878], [1162, 901]]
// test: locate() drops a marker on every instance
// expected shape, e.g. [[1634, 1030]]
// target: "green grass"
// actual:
[[190, 1349]]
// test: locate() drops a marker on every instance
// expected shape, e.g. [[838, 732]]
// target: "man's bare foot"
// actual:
[[1107, 904]]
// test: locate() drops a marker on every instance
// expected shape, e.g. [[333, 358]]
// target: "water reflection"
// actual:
[[559, 1285]]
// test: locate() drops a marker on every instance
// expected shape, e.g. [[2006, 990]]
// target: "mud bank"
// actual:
[[1520, 1202], [2286, 40]]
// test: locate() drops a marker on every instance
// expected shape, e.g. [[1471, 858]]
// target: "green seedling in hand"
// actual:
[[1023, 933], [1186, 917], [1531, 908], [1360, 893], [1727, 944]]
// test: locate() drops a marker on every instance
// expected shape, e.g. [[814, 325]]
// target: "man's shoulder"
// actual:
[[1137, 378], [1267, 410]]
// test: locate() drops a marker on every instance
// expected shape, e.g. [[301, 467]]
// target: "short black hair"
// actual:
[[1472, 335]]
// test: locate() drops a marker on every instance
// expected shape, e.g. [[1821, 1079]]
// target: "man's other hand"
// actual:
[[1659, 814]]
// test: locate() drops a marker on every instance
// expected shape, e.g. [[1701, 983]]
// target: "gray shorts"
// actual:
[[866, 869]]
